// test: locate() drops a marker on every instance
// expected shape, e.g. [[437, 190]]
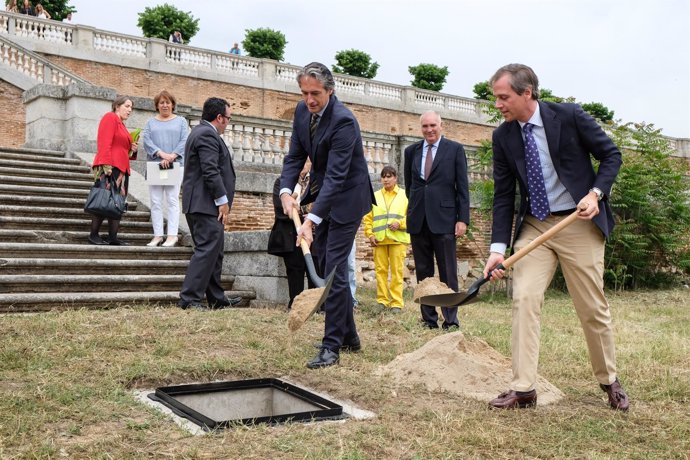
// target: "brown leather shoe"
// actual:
[[617, 397], [514, 400]]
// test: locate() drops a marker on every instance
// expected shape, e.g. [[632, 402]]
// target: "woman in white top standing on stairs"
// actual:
[[164, 138]]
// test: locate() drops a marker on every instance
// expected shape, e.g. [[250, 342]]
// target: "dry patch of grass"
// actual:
[[66, 381]]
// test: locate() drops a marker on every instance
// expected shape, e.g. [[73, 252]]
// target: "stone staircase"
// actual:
[[45, 260]]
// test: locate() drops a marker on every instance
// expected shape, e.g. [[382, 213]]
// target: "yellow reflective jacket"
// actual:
[[390, 207]]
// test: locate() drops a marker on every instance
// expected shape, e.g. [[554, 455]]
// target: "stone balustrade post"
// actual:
[[267, 72], [156, 50], [82, 37], [409, 99]]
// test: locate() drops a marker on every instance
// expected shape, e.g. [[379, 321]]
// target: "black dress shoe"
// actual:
[[429, 325], [449, 326], [617, 397], [219, 304], [116, 242], [192, 306], [514, 400], [97, 240], [324, 358]]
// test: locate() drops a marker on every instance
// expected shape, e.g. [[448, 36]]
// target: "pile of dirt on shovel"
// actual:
[[450, 363], [303, 306]]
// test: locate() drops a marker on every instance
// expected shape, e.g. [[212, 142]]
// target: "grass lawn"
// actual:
[[67, 381]]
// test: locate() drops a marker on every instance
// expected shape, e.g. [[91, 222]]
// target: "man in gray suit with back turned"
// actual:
[[438, 211], [208, 188]]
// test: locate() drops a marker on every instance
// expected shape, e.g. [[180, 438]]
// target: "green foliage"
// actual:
[[356, 63], [264, 43], [162, 20], [483, 91], [651, 199], [428, 76], [57, 9], [598, 111]]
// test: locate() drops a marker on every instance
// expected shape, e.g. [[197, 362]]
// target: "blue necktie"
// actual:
[[539, 203]]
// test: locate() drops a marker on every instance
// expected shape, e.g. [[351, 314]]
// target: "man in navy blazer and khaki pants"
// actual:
[[327, 133], [438, 211], [547, 148], [208, 187]]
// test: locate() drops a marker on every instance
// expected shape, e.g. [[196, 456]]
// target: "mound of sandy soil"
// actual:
[[471, 368], [430, 286], [303, 306]]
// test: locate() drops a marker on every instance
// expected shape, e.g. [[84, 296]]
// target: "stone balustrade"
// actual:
[[266, 142], [88, 43], [33, 66]]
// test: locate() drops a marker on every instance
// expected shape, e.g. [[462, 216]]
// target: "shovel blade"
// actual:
[[328, 282], [454, 299]]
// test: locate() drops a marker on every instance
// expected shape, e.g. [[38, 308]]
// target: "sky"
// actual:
[[633, 56]]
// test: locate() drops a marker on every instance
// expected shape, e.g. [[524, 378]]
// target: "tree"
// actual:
[[483, 91], [428, 76], [58, 9], [650, 243], [356, 63], [162, 20], [598, 111], [264, 43]]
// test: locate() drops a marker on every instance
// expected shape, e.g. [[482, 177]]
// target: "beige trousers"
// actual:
[[579, 248]]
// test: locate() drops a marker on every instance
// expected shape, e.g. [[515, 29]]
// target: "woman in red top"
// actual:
[[112, 158]]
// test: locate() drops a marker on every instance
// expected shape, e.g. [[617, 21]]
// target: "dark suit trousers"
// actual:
[[333, 243], [426, 245], [295, 268], [206, 264]]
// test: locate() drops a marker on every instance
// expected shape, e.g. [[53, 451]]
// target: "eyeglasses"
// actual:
[[226, 117]]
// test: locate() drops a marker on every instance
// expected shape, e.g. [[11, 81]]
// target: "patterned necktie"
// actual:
[[313, 124], [539, 203], [428, 161]]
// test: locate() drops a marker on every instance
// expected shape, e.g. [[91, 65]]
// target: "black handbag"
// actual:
[[105, 200]]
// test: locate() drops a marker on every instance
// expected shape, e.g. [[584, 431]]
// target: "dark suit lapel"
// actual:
[[516, 144], [417, 159], [440, 151], [552, 127], [323, 124]]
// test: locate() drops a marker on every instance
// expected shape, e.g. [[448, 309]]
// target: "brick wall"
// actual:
[[13, 116]]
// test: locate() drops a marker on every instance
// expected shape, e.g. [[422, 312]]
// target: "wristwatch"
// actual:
[[598, 193]]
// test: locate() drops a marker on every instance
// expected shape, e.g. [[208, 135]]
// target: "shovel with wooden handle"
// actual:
[[456, 299], [303, 309]]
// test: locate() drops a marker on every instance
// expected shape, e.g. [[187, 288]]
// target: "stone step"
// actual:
[[69, 237], [44, 301], [30, 190], [86, 183], [45, 266], [88, 251], [41, 165], [37, 212], [37, 156], [45, 173], [104, 281], [50, 201], [128, 224]]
